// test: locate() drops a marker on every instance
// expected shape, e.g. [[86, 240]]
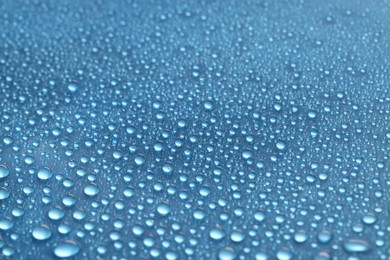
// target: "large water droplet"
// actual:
[[163, 209], [356, 246], [4, 194], [4, 171], [41, 233], [67, 249], [6, 224], [44, 174], [227, 254], [91, 190], [281, 145], [237, 237], [167, 168]]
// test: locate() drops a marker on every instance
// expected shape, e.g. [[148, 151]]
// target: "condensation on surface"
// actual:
[[194, 129]]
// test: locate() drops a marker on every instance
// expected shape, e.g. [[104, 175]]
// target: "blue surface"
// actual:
[[195, 129]]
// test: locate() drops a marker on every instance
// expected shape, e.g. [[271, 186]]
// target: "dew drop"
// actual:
[[4, 171], [44, 174], [227, 253], [281, 145], [91, 190], [216, 234], [237, 237], [73, 87], [6, 224], [41, 233], [167, 168], [139, 160], [4, 194], [163, 209], [67, 249], [356, 246]]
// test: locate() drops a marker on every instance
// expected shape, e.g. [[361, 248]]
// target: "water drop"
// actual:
[[259, 216], [139, 160], [356, 246], [227, 253], [67, 249], [56, 214], [300, 236], [4, 171], [284, 254], [281, 145], [6, 224], [237, 237], [73, 87], [216, 234], [44, 174], [91, 190], [167, 168], [163, 209], [4, 194], [41, 233]]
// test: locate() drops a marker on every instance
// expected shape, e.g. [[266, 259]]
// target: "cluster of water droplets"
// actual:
[[139, 130]]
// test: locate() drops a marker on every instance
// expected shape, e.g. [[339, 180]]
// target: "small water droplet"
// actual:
[[281, 145], [73, 87]]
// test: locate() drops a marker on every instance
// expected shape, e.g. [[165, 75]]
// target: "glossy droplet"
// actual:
[[41, 233], [199, 214], [44, 174], [281, 145], [4, 171], [216, 234], [163, 209], [369, 219], [237, 237], [324, 236], [67, 249], [300, 236], [356, 246], [6, 224], [4, 194], [56, 214], [73, 87], [227, 254], [117, 155], [312, 114], [167, 168], [208, 105], [261, 256], [259, 216], [139, 160], [283, 254], [91, 190]]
